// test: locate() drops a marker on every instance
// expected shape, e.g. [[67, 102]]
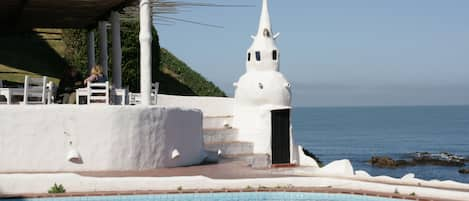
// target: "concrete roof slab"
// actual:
[[18, 15]]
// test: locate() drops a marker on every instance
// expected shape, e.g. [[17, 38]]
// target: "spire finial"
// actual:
[[264, 23]]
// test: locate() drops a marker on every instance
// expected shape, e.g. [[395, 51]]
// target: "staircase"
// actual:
[[220, 136]]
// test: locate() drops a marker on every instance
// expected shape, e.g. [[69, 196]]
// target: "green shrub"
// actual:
[[57, 189]]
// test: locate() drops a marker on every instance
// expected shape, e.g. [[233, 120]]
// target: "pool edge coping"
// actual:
[[326, 190]]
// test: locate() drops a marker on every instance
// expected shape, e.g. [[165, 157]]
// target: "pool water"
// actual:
[[252, 196]]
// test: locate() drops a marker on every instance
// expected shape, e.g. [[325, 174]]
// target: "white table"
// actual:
[[10, 92]]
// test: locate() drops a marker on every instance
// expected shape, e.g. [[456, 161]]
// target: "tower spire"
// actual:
[[263, 55], [264, 22]]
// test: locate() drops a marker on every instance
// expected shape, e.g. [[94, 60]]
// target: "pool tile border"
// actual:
[[227, 190]]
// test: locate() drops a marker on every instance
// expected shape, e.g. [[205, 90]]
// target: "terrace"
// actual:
[[25, 15], [52, 137]]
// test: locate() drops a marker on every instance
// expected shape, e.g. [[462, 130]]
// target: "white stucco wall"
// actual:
[[255, 125], [210, 106], [106, 137]]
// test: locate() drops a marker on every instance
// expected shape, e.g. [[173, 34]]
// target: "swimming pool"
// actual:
[[252, 196]]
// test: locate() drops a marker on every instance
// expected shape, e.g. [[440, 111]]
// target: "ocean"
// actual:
[[358, 133]]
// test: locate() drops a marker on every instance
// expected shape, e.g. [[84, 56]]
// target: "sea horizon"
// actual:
[[371, 106], [359, 133]]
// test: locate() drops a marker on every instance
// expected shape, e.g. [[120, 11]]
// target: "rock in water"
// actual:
[[424, 158], [464, 170], [388, 162]]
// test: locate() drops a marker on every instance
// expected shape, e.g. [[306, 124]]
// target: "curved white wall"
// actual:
[[106, 137]]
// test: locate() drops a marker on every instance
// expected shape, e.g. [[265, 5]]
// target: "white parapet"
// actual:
[[145, 51], [97, 138], [210, 106]]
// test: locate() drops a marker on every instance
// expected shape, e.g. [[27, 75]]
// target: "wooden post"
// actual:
[[91, 51], [116, 51], [145, 51], [103, 56]]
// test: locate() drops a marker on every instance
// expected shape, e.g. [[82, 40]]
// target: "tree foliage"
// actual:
[[175, 77], [197, 84]]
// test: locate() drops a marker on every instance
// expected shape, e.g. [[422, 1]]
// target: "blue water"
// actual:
[[255, 196], [357, 133]]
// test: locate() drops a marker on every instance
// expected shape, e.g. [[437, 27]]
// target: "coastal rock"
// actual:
[[442, 159], [388, 162], [420, 158], [464, 171]]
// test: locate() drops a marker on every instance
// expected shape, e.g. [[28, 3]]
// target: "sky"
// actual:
[[337, 52]]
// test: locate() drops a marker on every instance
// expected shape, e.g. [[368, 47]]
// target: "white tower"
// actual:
[[262, 90]]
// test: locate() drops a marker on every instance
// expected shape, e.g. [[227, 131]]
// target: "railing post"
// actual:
[[26, 89]]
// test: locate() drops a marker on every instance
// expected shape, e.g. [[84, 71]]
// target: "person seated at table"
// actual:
[[71, 81], [96, 75]]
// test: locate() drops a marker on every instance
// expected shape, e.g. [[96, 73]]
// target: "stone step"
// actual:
[[212, 122], [254, 160], [219, 135], [231, 148]]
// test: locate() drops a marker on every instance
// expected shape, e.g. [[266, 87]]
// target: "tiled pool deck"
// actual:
[[237, 170]]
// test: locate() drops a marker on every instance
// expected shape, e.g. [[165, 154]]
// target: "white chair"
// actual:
[[4, 92], [35, 88], [135, 98], [98, 93]]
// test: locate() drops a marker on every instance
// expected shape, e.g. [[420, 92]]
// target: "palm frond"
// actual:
[[162, 8]]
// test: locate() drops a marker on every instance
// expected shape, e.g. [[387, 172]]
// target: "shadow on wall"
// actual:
[[29, 52]]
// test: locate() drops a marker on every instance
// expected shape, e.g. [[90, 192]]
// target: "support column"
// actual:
[[103, 56], [145, 51], [91, 52], [116, 50]]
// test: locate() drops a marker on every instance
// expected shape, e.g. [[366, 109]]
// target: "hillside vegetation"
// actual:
[[48, 51], [31, 54]]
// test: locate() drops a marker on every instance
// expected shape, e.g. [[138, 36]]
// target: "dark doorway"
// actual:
[[280, 136]]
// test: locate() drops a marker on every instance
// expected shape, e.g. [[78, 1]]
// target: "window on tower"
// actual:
[[258, 56], [274, 55], [267, 33], [249, 56]]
